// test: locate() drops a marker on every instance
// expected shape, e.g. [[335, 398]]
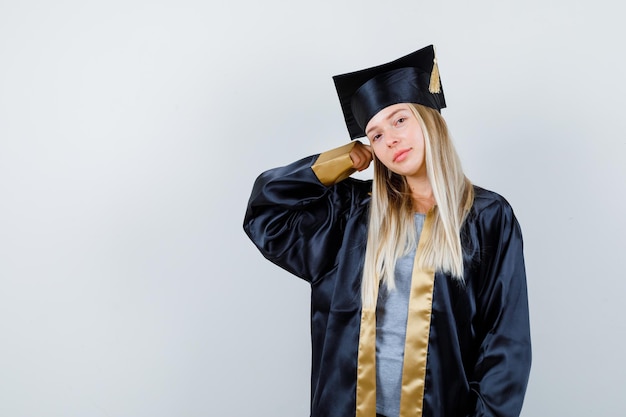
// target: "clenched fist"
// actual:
[[361, 156]]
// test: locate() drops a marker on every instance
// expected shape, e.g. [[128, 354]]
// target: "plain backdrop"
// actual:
[[131, 133]]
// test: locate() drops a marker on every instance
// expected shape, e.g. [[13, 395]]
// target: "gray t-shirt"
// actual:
[[391, 316]]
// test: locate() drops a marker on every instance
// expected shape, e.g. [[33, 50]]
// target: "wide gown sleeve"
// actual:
[[504, 357], [296, 214]]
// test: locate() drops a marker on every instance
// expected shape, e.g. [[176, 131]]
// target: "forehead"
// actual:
[[386, 114]]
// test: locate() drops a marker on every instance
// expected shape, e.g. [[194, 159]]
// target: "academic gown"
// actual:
[[310, 219]]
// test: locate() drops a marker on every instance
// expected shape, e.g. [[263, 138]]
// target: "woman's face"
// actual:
[[397, 140]]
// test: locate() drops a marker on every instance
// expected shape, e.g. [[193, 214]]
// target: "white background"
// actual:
[[131, 133]]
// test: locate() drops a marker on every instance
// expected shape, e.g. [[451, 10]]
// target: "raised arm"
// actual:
[[297, 213]]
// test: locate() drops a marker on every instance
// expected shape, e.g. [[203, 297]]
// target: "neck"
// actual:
[[421, 194]]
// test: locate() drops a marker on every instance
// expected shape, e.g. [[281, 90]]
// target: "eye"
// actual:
[[376, 137], [401, 120]]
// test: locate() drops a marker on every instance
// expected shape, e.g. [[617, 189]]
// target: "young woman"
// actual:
[[419, 303]]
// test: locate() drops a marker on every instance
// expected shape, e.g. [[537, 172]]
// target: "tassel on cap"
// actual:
[[435, 84]]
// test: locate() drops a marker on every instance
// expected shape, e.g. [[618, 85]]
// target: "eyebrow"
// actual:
[[367, 132]]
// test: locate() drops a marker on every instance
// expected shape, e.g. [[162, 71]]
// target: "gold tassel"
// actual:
[[435, 84]]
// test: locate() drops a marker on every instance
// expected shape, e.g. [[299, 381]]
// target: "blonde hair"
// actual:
[[391, 229]]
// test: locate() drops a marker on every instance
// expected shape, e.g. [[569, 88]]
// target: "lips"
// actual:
[[401, 155]]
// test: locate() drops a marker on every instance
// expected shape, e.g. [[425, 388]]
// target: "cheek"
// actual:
[[381, 163], [379, 156], [378, 149]]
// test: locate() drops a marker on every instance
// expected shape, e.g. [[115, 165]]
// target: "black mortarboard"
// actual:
[[414, 78]]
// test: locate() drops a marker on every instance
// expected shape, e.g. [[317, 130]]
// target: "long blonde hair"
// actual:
[[391, 229]]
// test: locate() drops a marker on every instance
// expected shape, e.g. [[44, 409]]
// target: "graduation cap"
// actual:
[[414, 78]]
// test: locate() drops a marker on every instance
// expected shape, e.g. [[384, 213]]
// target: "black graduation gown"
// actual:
[[479, 350]]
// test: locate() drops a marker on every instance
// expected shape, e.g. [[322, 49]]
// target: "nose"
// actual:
[[391, 139]]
